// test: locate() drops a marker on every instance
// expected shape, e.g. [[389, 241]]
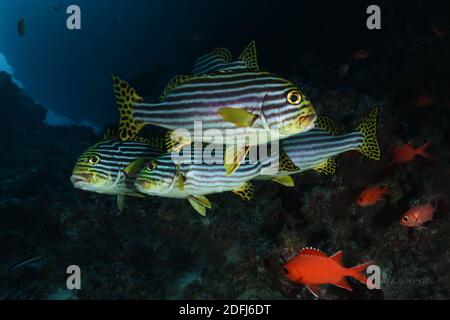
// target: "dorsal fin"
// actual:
[[312, 252], [222, 53], [111, 133], [156, 142], [174, 83], [338, 257], [249, 57], [326, 123]]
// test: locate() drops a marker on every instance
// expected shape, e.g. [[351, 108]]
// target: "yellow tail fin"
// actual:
[[368, 127]]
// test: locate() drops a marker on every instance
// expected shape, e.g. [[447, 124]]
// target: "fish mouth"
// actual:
[[80, 179], [306, 122]]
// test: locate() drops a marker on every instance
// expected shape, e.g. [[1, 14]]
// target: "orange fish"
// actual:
[[426, 100], [370, 196], [417, 216], [439, 30], [407, 153], [361, 54], [312, 268]]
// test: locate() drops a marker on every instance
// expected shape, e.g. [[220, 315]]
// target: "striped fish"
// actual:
[[189, 180], [252, 104], [109, 166], [317, 148]]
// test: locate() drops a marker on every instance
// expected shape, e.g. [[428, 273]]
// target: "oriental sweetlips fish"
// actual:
[[188, 180], [312, 268], [317, 148], [109, 166], [233, 97]]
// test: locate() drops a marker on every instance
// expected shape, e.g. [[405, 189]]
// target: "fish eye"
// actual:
[[405, 219], [151, 166], [294, 97], [93, 159], [286, 271]]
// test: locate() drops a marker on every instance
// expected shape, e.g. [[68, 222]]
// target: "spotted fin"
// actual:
[[286, 163], [368, 127], [173, 84], [249, 57], [327, 166], [200, 204], [111, 133], [125, 97], [245, 191], [239, 117], [156, 142], [326, 123], [286, 181]]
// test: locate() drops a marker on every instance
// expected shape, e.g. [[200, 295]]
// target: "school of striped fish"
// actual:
[[223, 95]]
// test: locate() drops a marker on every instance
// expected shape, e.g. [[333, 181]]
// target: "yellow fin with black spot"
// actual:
[[286, 163], [249, 57], [368, 128], [239, 117], [286, 181], [125, 97], [222, 53], [175, 141], [244, 191], [327, 166], [200, 204], [156, 142], [326, 123], [174, 83]]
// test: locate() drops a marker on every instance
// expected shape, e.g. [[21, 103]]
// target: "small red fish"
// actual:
[[361, 54], [370, 196], [407, 153], [439, 30], [312, 268], [426, 100], [417, 216]]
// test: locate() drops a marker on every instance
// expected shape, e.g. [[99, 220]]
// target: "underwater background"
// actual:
[[56, 98]]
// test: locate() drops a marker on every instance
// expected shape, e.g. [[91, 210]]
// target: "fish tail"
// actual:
[[423, 150], [357, 272], [125, 97], [368, 128]]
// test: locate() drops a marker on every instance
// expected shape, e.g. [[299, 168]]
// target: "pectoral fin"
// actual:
[[200, 203], [181, 178], [239, 117], [286, 181], [120, 202], [314, 289], [245, 191], [134, 167], [233, 159], [176, 142]]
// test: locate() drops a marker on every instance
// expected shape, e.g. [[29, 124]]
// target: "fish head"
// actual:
[[409, 220], [292, 272], [157, 177], [288, 110], [96, 170]]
